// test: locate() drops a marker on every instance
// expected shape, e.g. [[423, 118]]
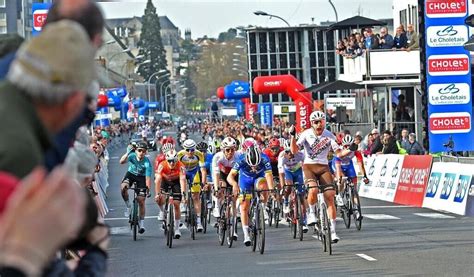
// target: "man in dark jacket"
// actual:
[[389, 143], [413, 146], [377, 144]]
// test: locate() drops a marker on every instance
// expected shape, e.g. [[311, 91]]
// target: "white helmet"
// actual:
[[253, 156], [171, 155], [347, 140], [167, 147], [189, 144], [211, 148], [287, 144], [317, 115], [228, 142]]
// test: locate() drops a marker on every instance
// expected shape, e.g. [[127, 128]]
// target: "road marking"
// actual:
[[119, 230], [368, 258], [434, 215], [380, 216], [316, 237], [123, 218], [114, 158], [384, 207]]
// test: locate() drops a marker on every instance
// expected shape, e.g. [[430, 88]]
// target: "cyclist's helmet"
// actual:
[[253, 156], [167, 147], [171, 155], [317, 116], [347, 140], [228, 142], [282, 141], [202, 146], [142, 145], [248, 142], [211, 148], [287, 145], [189, 144], [274, 143]]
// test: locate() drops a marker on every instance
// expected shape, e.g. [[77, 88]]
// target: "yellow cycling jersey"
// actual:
[[192, 162]]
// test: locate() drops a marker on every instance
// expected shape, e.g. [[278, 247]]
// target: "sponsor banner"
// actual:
[[333, 102], [449, 94], [446, 36], [266, 114], [40, 12], [445, 8], [372, 168], [448, 65], [448, 187], [448, 123], [413, 180]]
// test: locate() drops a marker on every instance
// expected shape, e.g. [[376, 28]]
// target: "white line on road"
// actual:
[[123, 218], [434, 215], [384, 207], [380, 216], [368, 258]]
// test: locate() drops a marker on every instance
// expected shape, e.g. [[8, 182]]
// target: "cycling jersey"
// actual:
[[159, 158], [191, 163], [316, 148], [139, 168], [346, 160], [168, 173], [272, 155], [248, 177], [220, 163], [208, 163], [346, 163], [292, 164]]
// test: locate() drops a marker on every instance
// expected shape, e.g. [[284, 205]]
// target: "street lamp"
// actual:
[[334, 8], [262, 13], [149, 80], [142, 63]]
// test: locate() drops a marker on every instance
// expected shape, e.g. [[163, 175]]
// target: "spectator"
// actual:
[[400, 41], [414, 147], [9, 43], [412, 38], [404, 139], [389, 143], [358, 141], [386, 40], [377, 145], [43, 99], [371, 41], [341, 48]]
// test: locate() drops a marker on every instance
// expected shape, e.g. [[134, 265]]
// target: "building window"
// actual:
[[3, 16], [3, 30], [2, 4]]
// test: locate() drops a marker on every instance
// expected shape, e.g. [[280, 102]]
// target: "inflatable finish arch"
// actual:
[[292, 87]]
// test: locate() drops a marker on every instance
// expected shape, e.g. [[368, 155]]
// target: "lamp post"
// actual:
[[334, 8], [262, 13], [161, 91], [149, 80]]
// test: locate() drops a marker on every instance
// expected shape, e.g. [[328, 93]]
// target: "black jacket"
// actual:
[[377, 147], [391, 147]]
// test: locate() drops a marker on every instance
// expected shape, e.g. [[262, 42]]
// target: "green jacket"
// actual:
[[23, 137]]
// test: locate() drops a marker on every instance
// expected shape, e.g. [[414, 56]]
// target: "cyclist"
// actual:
[[345, 167], [193, 161], [317, 141], [139, 172], [290, 171], [254, 171], [203, 147], [162, 156], [222, 164], [171, 178], [273, 151]]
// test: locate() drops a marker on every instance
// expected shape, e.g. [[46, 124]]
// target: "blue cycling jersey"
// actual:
[[208, 163], [242, 167], [139, 168]]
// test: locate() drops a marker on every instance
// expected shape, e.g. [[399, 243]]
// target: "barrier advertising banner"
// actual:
[[448, 187], [266, 114], [413, 180], [40, 12], [448, 76], [384, 178]]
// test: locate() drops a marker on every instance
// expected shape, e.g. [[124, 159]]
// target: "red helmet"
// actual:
[[168, 140], [274, 142]]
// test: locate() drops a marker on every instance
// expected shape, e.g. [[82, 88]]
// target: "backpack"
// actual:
[[401, 150]]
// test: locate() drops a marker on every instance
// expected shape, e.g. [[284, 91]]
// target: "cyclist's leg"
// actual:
[[298, 178], [287, 190], [195, 192], [175, 189], [246, 184], [310, 179], [329, 194], [124, 189], [261, 184]]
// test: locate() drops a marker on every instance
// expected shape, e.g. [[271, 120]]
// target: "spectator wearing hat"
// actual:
[[377, 145], [45, 90], [413, 146], [389, 143]]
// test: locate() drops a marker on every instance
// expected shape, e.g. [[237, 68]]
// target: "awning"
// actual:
[[333, 86], [356, 22]]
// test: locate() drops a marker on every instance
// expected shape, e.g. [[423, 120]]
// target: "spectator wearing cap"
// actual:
[[45, 90], [377, 145], [386, 40], [389, 143], [413, 146]]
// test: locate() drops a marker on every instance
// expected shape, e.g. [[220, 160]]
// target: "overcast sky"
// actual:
[[210, 17]]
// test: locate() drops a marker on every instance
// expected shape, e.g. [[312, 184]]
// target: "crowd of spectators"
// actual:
[[358, 43]]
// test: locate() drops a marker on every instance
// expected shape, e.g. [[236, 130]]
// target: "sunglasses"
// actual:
[[141, 150], [315, 122], [229, 150], [189, 150], [171, 161], [287, 151], [276, 148]]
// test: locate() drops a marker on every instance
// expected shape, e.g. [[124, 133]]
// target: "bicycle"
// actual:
[[257, 220], [295, 216], [351, 201], [190, 218], [133, 217], [323, 224], [205, 211], [274, 209], [227, 220], [168, 223]]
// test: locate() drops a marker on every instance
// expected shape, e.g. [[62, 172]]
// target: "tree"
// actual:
[[150, 44]]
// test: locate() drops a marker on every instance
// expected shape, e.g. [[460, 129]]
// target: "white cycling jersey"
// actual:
[[316, 148], [221, 164], [292, 164]]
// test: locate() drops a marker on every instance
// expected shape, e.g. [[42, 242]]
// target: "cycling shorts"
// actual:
[[173, 187], [296, 177], [348, 170], [248, 183], [320, 173], [193, 177], [140, 182], [275, 170]]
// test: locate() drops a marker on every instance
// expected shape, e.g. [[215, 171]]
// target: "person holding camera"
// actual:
[[138, 173]]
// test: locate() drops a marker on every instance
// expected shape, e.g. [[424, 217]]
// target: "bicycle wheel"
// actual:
[[253, 229], [319, 228], [261, 229], [299, 218], [170, 227], [327, 229], [356, 207], [230, 226], [276, 212], [269, 208], [135, 219], [221, 228], [204, 215], [293, 219], [192, 217], [346, 209]]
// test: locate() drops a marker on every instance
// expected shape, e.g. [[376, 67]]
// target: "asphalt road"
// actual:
[[394, 240]]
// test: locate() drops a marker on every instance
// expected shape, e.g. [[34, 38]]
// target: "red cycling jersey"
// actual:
[[168, 173], [273, 156], [158, 160]]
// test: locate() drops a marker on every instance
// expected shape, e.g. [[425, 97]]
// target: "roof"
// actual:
[[333, 85], [357, 22], [165, 22], [285, 28]]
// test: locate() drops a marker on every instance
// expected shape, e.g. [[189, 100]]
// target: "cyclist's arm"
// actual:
[[202, 164], [125, 157], [293, 146], [360, 161], [182, 179], [148, 169], [281, 169], [158, 179], [231, 178], [268, 174]]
